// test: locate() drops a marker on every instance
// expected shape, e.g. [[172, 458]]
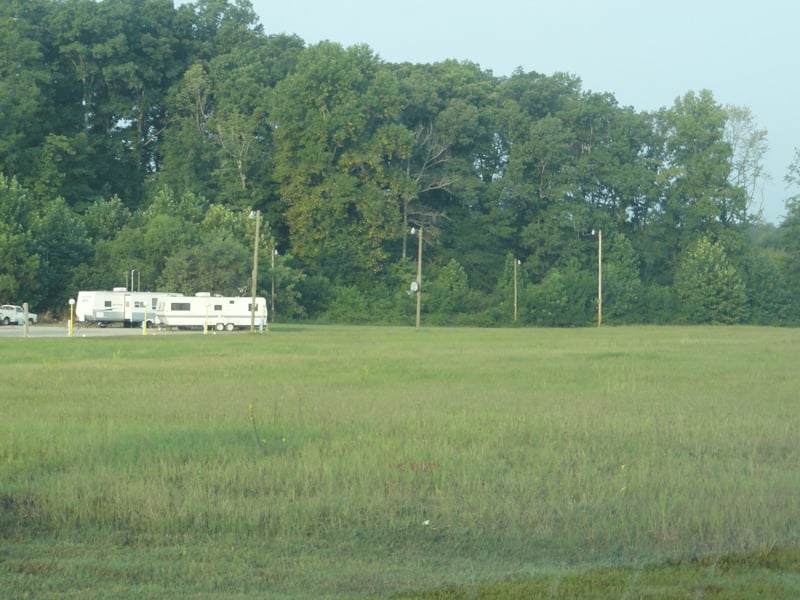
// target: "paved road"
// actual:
[[38, 331]]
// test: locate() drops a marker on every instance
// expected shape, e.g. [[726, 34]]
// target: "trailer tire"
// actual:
[[219, 326], [230, 327]]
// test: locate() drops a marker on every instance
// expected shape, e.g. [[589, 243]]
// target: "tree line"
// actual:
[[135, 135]]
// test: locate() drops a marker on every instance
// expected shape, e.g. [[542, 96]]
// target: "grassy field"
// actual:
[[361, 462]]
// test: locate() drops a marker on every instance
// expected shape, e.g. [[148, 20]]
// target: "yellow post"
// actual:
[[71, 314]]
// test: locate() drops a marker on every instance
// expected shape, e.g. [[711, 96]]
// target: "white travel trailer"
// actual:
[[211, 312], [118, 306]]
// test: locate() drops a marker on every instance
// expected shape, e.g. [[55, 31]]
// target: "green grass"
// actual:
[[375, 462]]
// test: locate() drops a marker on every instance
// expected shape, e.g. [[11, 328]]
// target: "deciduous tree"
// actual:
[[337, 158]]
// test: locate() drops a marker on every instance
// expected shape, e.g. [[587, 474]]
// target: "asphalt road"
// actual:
[[61, 330]]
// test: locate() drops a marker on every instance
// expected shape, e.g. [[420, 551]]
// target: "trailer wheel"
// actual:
[[230, 327], [219, 326]]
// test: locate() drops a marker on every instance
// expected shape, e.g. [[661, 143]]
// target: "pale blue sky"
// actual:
[[645, 53]]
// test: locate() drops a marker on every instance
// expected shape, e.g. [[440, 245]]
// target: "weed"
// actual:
[[267, 443]]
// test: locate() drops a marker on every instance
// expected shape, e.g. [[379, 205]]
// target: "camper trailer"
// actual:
[[210, 312], [118, 306]]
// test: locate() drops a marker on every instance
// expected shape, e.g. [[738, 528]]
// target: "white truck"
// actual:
[[119, 305], [222, 313], [11, 314]]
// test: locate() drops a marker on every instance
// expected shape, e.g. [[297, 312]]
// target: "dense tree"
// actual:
[[562, 299], [222, 26], [61, 242], [789, 240], [695, 195], [709, 286], [138, 136], [538, 193], [449, 108], [104, 218], [216, 263], [448, 293], [748, 147], [116, 60], [189, 156], [622, 288], [787, 237], [769, 297], [338, 148], [26, 113], [18, 264]]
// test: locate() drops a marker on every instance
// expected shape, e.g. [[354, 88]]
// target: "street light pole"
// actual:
[[255, 274], [71, 314], [599, 276], [516, 262], [419, 273], [272, 292]]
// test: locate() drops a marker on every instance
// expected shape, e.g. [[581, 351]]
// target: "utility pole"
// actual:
[[255, 274], [419, 273]]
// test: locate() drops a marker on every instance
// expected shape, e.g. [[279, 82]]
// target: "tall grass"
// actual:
[[369, 460]]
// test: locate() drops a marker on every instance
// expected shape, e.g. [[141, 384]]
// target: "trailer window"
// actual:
[[180, 306], [218, 307], [107, 304], [250, 307]]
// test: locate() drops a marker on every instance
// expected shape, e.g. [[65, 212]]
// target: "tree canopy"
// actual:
[[138, 135]]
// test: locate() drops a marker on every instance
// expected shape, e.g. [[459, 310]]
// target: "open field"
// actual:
[[348, 462]]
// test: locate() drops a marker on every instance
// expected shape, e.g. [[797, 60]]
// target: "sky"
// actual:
[[645, 53]]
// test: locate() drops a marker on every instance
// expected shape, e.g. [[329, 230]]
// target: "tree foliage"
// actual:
[[136, 136], [709, 286]]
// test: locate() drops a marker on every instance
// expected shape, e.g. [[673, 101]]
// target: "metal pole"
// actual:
[[255, 275], [419, 276]]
